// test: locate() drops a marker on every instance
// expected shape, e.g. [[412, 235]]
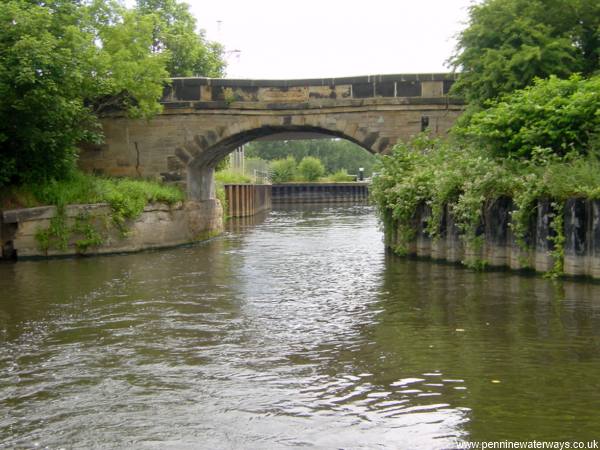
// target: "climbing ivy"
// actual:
[[464, 179], [558, 240], [81, 231], [89, 235], [57, 234]]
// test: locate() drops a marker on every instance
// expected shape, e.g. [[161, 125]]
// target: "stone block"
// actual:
[[423, 239], [26, 214], [246, 94], [206, 93], [174, 164], [408, 88], [289, 95], [187, 89], [363, 90], [432, 89], [385, 89], [319, 92]]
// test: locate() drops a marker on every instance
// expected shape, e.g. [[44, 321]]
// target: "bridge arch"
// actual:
[[201, 154], [203, 119]]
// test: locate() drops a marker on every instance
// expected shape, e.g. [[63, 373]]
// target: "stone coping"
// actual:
[[47, 212], [225, 82], [314, 104]]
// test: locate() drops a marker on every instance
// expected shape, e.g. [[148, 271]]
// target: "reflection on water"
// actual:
[[295, 329]]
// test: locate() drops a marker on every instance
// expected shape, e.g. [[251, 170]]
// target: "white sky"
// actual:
[[332, 38]]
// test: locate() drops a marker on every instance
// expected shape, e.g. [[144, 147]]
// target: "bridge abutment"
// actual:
[[201, 183]]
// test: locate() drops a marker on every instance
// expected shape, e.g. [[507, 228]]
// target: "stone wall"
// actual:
[[158, 226], [499, 247]]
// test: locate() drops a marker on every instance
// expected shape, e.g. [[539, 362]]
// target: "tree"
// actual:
[[126, 74], [552, 116], [41, 83], [311, 168], [508, 43], [190, 53], [283, 170], [56, 60], [336, 154], [64, 62]]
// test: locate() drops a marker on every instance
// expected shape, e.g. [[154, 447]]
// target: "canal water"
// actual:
[[297, 330]]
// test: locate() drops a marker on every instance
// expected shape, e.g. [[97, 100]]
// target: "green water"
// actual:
[[294, 331]]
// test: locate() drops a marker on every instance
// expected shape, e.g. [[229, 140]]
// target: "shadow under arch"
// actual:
[[202, 154]]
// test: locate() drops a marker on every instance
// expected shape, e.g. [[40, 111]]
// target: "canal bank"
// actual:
[[572, 249], [94, 229]]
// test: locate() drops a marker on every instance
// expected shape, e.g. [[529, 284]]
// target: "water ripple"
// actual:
[[298, 331]]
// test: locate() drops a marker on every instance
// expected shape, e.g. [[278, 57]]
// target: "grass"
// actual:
[[341, 176], [127, 199], [232, 177], [80, 188], [579, 177]]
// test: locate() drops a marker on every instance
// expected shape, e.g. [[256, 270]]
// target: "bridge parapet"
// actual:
[[212, 93]]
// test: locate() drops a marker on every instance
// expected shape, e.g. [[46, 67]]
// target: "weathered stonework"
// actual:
[[158, 226], [205, 119]]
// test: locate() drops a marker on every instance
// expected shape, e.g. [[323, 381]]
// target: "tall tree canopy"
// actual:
[[62, 62], [508, 43], [190, 53], [552, 116], [336, 154]]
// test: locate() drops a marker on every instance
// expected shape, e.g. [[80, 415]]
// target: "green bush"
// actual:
[[341, 176], [64, 62], [440, 174], [335, 154], [283, 170], [311, 168], [232, 177], [554, 114], [508, 43]]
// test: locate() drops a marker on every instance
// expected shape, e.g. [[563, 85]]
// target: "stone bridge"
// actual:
[[205, 119]]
